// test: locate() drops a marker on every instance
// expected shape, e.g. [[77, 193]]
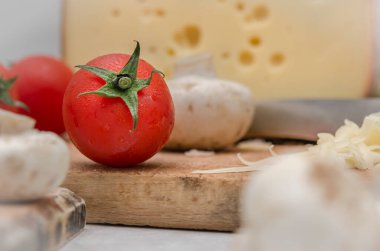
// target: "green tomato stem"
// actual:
[[124, 83]]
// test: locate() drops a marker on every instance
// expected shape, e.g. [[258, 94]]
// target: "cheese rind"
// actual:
[[280, 49], [376, 18]]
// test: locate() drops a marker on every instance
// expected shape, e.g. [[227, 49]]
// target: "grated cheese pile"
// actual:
[[357, 147]]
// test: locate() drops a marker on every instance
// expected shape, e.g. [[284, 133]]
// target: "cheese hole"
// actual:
[[240, 6], [160, 13], [277, 59], [115, 13], [225, 55], [246, 58], [152, 49], [146, 12], [170, 52], [255, 41], [260, 13], [189, 36]]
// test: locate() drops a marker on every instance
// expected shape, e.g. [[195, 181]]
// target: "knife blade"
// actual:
[[304, 119]]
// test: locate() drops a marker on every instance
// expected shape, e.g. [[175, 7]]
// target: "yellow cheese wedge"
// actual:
[[280, 49]]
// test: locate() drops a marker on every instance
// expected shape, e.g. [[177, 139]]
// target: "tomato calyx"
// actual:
[[122, 81], [124, 84], [5, 85]]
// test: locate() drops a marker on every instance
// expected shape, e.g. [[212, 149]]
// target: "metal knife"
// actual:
[[304, 119]]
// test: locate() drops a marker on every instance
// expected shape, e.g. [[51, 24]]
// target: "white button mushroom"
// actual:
[[210, 113], [32, 163], [304, 203], [14, 123]]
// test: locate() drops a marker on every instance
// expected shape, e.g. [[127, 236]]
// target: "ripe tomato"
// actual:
[[101, 124], [8, 93], [41, 84]]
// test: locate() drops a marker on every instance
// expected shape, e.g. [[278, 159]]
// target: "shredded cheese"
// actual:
[[199, 153], [357, 147], [250, 166], [254, 145]]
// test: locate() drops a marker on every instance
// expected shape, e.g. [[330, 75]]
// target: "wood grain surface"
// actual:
[[44, 224], [163, 192]]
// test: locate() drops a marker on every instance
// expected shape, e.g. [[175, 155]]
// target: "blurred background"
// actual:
[[34, 27], [29, 27]]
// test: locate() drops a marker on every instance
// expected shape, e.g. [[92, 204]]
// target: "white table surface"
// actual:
[[120, 238]]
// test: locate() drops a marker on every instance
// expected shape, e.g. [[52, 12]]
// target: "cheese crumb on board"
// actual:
[[279, 49], [199, 153], [254, 145]]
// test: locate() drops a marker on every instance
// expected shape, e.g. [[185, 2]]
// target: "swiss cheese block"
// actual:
[[280, 49]]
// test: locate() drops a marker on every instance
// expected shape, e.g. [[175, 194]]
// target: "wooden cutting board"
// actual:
[[44, 224], [163, 192]]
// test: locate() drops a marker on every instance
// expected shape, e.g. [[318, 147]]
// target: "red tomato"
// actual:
[[4, 72], [41, 84], [102, 128], [6, 75]]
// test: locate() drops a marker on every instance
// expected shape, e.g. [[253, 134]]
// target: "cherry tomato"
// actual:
[[5, 72], [41, 84], [106, 129]]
